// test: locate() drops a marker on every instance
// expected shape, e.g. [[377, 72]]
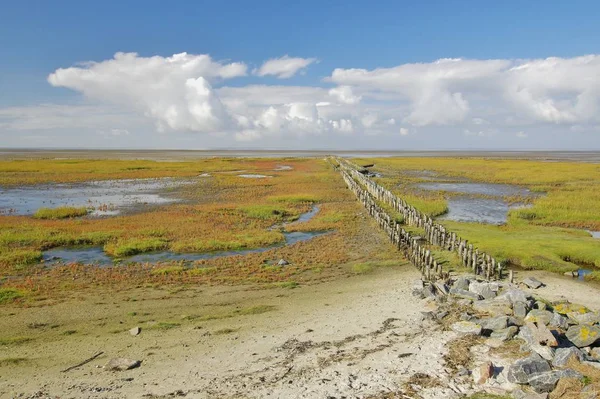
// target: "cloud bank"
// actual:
[[482, 98]]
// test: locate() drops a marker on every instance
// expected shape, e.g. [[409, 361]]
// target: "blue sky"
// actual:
[[38, 38]]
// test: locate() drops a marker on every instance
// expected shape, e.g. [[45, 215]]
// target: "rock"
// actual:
[[569, 373], [483, 373], [122, 364], [562, 356], [566, 307], [523, 369], [493, 307], [457, 292], [505, 334], [595, 354], [539, 316], [520, 309], [461, 284], [559, 321], [283, 262], [527, 335], [466, 327], [540, 305], [519, 394], [494, 342], [428, 316], [589, 318], [441, 315], [543, 382], [428, 291], [541, 334], [442, 288], [514, 295], [482, 289], [418, 285], [135, 331], [495, 323], [532, 282], [582, 335], [515, 321], [573, 274]]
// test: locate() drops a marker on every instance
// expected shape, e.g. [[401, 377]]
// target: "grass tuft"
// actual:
[[10, 295], [62, 212]]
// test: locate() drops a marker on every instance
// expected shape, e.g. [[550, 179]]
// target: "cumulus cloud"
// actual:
[[284, 67], [175, 91], [522, 135], [189, 93]]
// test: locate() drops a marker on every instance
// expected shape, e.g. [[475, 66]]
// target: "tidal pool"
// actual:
[[96, 256], [254, 176], [107, 197], [470, 206]]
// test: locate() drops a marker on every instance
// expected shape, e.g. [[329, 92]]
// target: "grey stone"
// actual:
[[523, 369], [595, 354], [466, 327], [495, 323], [493, 307], [530, 339], [135, 331], [482, 289], [515, 321], [442, 314], [569, 373], [122, 364], [540, 305], [505, 334], [464, 294], [543, 382], [418, 285], [559, 321], [583, 335], [283, 262], [442, 288], [514, 295], [541, 334], [428, 316], [519, 394], [532, 282], [520, 309], [562, 356], [428, 291], [539, 316], [589, 318], [461, 284]]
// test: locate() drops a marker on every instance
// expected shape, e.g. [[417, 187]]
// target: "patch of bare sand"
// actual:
[[354, 337]]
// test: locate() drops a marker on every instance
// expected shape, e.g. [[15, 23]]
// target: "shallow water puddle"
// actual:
[[595, 234], [96, 256], [469, 207], [108, 197], [283, 167]]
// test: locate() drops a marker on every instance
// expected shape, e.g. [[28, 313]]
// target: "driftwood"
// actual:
[[86, 361]]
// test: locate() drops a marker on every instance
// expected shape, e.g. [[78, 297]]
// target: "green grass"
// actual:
[[135, 246], [10, 295], [165, 271], [485, 395], [260, 309], [63, 212], [362, 268], [20, 257], [295, 199], [164, 325], [225, 331], [288, 284], [265, 212]]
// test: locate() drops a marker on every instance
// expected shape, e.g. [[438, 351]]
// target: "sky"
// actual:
[[387, 75]]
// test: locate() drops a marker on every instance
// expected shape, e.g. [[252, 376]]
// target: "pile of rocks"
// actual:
[[555, 334]]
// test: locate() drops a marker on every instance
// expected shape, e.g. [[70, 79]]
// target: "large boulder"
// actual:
[[482, 289], [514, 295], [559, 321], [493, 307], [539, 316], [532, 282], [523, 369], [541, 334], [462, 283], [527, 335], [563, 356], [566, 308], [583, 335], [589, 318], [495, 323], [466, 327], [505, 334], [544, 382], [520, 309], [457, 292]]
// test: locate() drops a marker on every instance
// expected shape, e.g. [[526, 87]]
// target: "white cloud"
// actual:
[[174, 91], [344, 95], [283, 67], [404, 131]]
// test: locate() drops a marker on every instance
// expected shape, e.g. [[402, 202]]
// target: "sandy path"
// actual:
[[349, 338]]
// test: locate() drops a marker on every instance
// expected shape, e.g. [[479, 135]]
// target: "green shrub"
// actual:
[[63, 212]]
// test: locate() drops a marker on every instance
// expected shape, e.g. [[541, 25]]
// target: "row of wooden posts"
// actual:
[[370, 193]]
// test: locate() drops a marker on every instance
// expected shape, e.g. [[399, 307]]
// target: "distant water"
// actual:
[[469, 207], [108, 197], [96, 256]]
